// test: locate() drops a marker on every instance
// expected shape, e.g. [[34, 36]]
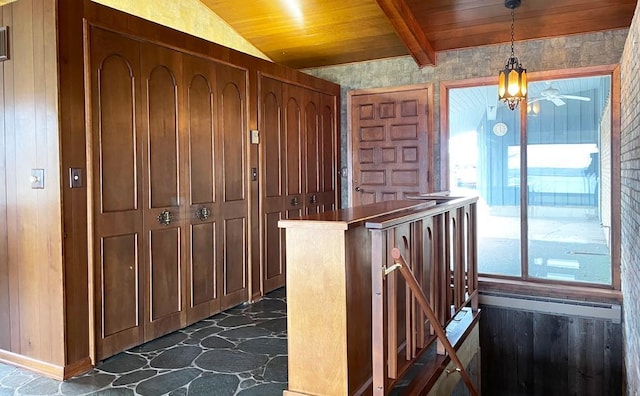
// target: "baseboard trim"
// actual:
[[77, 368], [50, 370], [45, 368]]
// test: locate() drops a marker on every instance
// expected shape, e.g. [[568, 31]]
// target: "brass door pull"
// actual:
[[313, 199], [295, 201], [165, 217], [203, 213]]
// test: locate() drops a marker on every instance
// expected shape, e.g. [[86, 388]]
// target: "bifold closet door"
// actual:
[[328, 158], [202, 177], [163, 198], [232, 161], [215, 169], [272, 176], [117, 193], [294, 143], [319, 152]]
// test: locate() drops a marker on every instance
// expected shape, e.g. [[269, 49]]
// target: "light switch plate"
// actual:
[[75, 177], [37, 178], [255, 136]]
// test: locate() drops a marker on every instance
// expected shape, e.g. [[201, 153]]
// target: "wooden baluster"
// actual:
[[378, 317]]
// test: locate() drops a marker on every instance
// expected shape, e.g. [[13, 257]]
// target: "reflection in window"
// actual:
[[565, 176]]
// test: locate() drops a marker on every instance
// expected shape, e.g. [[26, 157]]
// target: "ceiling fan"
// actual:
[[553, 95]]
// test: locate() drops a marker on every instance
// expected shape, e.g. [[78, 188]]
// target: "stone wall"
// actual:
[[593, 49], [630, 153]]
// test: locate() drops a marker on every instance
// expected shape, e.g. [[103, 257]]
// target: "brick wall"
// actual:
[[601, 48], [630, 153]]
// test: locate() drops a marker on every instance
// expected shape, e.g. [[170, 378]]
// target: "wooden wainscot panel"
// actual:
[[32, 235]]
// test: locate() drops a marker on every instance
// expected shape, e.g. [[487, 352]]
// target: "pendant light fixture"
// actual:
[[512, 83]]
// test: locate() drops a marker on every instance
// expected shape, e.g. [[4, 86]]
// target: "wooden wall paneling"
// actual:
[[202, 175], [232, 123], [50, 200], [613, 358], [272, 177], [11, 179], [586, 338], [163, 240], [552, 356], [541, 354], [33, 234], [5, 303], [117, 192], [73, 139], [358, 253]]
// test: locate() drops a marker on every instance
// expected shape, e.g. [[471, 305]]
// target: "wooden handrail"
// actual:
[[426, 308]]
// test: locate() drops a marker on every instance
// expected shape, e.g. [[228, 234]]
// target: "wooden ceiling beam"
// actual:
[[409, 30]]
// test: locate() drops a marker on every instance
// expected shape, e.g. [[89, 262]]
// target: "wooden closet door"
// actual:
[[272, 176], [163, 223], [232, 153], [328, 158], [117, 192], [202, 175], [319, 152], [294, 147], [312, 151]]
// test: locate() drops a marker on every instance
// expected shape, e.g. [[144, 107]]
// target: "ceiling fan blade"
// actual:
[[557, 101], [582, 98], [534, 100]]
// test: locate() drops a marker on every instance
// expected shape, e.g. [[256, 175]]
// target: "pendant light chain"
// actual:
[[513, 22]]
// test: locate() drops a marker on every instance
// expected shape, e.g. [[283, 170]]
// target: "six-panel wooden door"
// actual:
[[298, 164], [170, 189]]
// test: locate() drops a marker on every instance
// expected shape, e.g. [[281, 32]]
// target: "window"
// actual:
[[544, 183]]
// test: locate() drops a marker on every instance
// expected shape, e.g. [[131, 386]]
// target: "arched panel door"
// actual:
[[117, 193], [294, 148], [202, 176], [312, 154], [328, 141], [163, 225], [273, 166], [232, 152]]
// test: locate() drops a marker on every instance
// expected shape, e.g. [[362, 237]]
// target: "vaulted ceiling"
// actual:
[[313, 33]]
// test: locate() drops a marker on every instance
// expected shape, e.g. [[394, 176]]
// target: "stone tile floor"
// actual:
[[241, 352]]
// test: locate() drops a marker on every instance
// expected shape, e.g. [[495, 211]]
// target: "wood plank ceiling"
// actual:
[[313, 33]]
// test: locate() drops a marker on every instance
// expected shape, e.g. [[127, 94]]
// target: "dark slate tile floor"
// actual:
[[242, 352]]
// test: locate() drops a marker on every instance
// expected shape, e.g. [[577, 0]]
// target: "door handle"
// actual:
[[165, 217], [203, 213], [295, 201], [358, 189], [313, 199]]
